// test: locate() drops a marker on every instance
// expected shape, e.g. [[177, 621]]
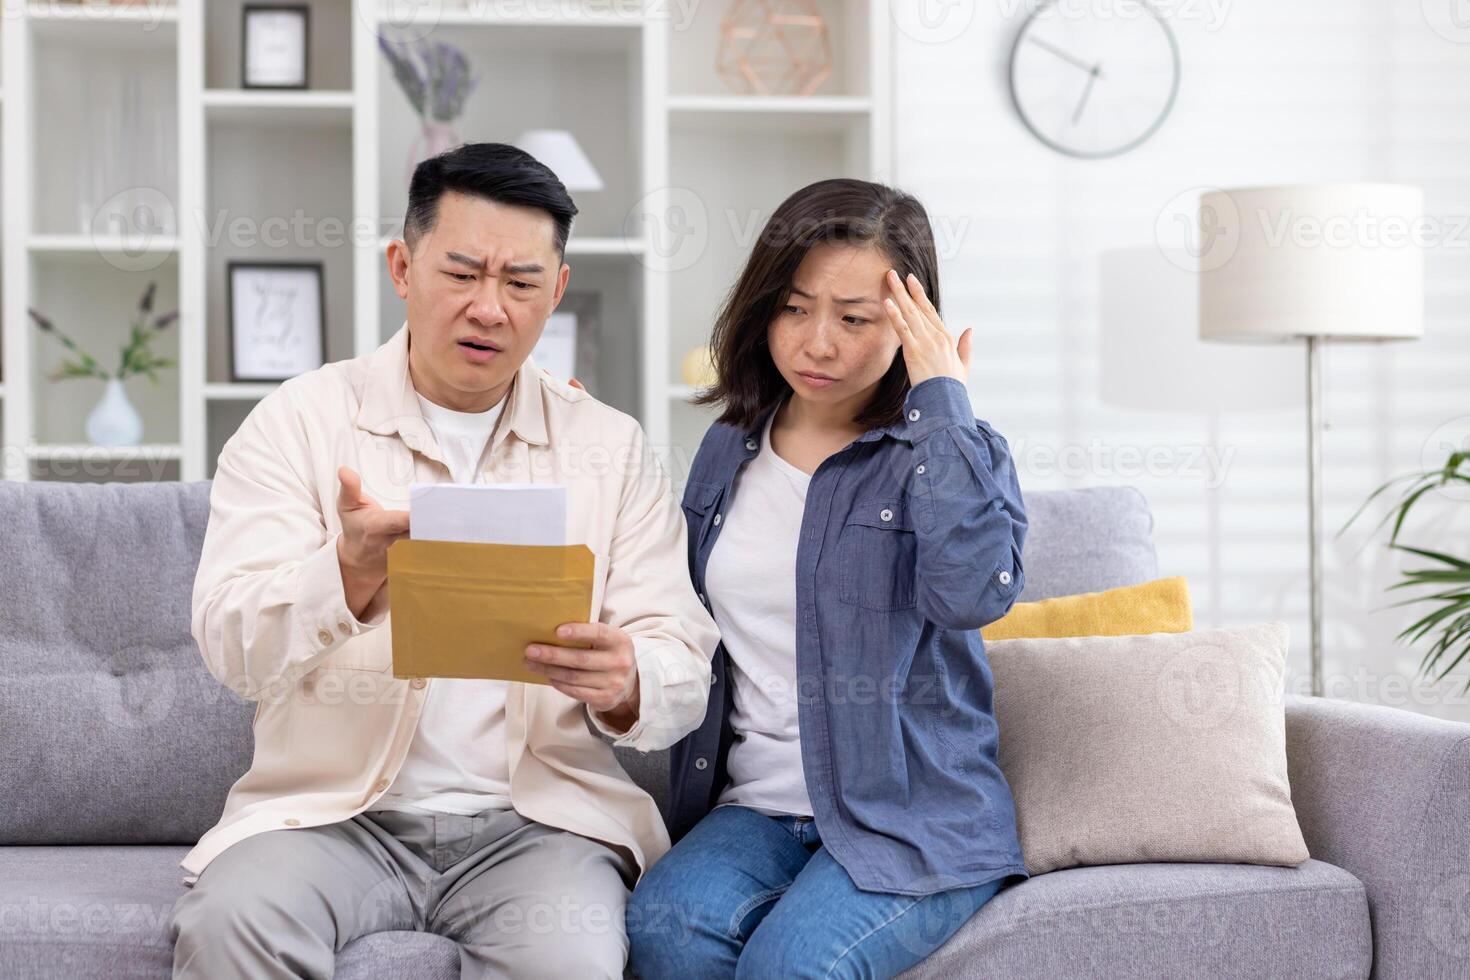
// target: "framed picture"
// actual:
[[274, 40], [278, 323], [568, 345]]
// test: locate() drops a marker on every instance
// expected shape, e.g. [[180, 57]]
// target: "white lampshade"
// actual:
[[1340, 261], [560, 151]]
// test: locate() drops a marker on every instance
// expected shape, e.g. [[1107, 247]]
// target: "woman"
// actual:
[[851, 527]]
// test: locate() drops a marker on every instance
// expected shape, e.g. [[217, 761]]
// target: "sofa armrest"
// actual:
[[1385, 794]]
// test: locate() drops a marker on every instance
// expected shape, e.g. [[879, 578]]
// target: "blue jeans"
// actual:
[[747, 895]]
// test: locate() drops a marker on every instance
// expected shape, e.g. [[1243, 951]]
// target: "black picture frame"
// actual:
[[275, 8], [238, 265]]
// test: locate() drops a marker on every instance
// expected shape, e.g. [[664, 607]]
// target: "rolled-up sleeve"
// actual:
[[970, 520], [649, 596], [268, 601]]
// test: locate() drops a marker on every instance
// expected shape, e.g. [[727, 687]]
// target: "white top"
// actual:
[[751, 582], [457, 760]]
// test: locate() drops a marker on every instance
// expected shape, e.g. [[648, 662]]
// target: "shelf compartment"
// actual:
[[581, 79], [329, 52], [104, 81], [278, 193], [97, 318], [694, 48], [736, 203]]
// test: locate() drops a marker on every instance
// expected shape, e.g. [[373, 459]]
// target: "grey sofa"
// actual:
[[119, 748]]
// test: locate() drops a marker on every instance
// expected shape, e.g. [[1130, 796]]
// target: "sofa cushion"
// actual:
[[1155, 747], [114, 732], [1160, 606], [1086, 540], [104, 911], [1166, 921]]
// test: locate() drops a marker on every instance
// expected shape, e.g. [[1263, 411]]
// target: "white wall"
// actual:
[[1271, 92]]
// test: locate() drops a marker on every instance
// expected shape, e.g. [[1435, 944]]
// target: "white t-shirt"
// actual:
[[457, 760], [751, 582]]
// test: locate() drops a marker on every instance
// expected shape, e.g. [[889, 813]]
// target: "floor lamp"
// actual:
[[1342, 262]]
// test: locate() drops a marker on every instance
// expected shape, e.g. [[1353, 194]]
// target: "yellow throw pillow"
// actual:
[[1160, 606]]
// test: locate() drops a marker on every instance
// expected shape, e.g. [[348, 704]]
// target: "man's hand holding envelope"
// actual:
[[465, 606]]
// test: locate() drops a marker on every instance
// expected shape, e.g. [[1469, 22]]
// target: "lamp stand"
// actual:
[[1314, 505]]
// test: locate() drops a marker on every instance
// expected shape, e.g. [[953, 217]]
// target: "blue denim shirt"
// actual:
[[910, 542]]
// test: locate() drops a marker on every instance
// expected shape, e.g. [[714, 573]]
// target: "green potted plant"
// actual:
[[1444, 583], [114, 421]]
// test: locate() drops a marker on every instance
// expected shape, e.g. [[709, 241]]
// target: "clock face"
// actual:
[[1094, 80]]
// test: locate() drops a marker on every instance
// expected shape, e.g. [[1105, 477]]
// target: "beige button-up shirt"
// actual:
[[332, 723]]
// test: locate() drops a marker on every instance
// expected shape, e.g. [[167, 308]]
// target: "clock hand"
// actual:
[[1092, 76], [1069, 58]]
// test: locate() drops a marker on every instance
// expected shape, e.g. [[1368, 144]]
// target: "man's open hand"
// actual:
[[367, 531], [605, 677]]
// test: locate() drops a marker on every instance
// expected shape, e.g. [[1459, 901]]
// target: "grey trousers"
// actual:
[[521, 899]]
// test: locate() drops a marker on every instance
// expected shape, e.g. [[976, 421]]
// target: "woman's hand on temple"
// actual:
[[928, 349]]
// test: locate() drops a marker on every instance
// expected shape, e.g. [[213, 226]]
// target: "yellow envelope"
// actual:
[[463, 609]]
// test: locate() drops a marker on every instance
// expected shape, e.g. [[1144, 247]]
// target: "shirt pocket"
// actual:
[[699, 511], [877, 552]]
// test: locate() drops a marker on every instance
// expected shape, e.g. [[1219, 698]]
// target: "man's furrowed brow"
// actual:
[[462, 259], [524, 269]]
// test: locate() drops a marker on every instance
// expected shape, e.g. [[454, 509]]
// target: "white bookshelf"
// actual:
[[639, 90]]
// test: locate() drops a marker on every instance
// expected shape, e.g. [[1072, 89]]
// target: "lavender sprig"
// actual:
[[434, 76], [137, 356]]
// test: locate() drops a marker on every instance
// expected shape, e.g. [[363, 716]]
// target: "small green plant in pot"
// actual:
[[1446, 580], [114, 421]]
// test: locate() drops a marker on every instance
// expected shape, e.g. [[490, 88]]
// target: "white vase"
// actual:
[[114, 422]]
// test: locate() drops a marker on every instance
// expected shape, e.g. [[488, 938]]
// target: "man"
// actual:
[[486, 811]]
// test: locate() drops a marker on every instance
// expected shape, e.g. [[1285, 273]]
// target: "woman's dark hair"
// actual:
[[496, 172], [842, 211]]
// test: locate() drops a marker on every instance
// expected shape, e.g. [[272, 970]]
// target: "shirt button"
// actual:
[[886, 515], [919, 469], [346, 630], [325, 637], [750, 444], [913, 415], [717, 520], [380, 785], [419, 682], [291, 822], [701, 764], [1004, 577]]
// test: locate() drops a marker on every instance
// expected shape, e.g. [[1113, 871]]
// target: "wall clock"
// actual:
[[1094, 80]]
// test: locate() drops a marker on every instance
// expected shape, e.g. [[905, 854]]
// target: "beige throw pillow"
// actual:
[[1154, 747]]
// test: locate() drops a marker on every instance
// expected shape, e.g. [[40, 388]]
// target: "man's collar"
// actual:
[[390, 404]]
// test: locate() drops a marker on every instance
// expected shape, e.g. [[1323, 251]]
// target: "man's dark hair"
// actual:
[[496, 172]]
